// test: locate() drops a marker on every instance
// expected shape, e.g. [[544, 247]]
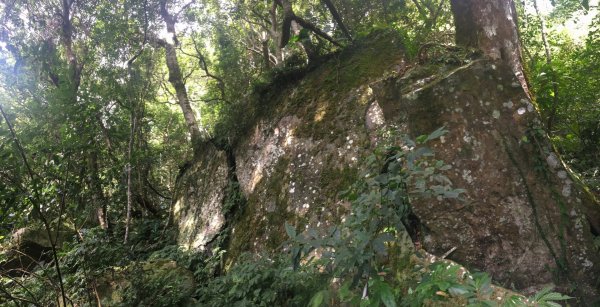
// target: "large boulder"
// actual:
[[294, 162], [524, 217], [30, 246]]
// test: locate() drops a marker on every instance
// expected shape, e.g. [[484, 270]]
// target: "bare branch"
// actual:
[[183, 8]]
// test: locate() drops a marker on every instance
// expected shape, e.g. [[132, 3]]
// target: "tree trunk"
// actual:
[[490, 26], [176, 78], [98, 199], [67, 41], [132, 131], [275, 33], [288, 16], [305, 43], [527, 183], [266, 55], [286, 24]]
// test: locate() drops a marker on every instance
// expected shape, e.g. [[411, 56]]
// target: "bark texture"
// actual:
[[98, 200], [176, 80], [490, 26], [176, 77]]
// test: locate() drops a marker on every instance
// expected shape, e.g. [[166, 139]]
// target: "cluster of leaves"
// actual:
[[162, 287], [261, 281], [351, 253], [37, 289], [88, 260], [446, 281], [88, 257]]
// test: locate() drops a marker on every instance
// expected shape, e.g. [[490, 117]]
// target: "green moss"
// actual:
[[281, 214], [251, 224], [338, 179], [316, 98], [242, 231], [314, 95]]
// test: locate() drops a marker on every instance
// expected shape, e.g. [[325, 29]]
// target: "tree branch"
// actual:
[[338, 19], [289, 16]]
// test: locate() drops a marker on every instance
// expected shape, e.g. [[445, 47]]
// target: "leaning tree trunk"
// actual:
[[176, 78], [338, 18], [527, 219]]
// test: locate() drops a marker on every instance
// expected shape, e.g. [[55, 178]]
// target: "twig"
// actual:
[[448, 253]]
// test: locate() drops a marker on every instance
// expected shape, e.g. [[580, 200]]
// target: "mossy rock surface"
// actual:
[[30, 245], [523, 219], [294, 162], [199, 197]]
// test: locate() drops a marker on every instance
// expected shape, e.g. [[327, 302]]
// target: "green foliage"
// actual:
[[447, 284], [157, 284], [547, 298], [33, 288], [435, 285], [567, 86], [203, 265], [398, 170], [444, 282], [260, 281], [72, 129]]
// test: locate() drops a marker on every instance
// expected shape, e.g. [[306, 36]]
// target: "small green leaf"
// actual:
[[436, 134], [458, 290], [387, 296], [291, 231], [318, 299], [445, 167], [554, 296], [345, 293], [421, 139]]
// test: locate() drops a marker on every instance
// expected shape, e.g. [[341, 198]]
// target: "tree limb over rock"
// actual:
[[289, 16]]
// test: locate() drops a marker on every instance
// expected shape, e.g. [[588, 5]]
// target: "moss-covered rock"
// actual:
[[524, 218], [200, 194], [31, 245]]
